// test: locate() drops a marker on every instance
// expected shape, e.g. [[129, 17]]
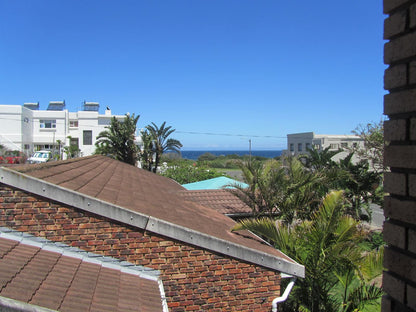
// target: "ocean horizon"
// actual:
[[194, 154]]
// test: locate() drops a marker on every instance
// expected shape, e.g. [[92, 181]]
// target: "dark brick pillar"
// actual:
[[399, 279]]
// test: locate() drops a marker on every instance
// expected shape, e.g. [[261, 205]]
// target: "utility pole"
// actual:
[[249, 150]]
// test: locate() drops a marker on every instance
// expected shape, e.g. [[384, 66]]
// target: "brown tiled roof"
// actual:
[[222, 201], [37, 272], [148, 194]]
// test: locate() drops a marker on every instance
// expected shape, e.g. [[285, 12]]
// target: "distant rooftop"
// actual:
[[214, 184], [144, 200], [37, 273], [222, 201]]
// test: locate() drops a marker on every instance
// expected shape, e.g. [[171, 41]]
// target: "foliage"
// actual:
[[184, 172], [373, 241], [337, 277], [71, 150], [160, 142], [373, 150], [230, 161], [319, 160], [118, 140], [146, 152], [206, 156], [285, 188], [361, 187]]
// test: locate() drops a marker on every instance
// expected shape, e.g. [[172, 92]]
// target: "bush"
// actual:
[[184, 173], [206, 157]]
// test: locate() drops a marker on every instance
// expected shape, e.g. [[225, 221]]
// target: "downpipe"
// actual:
[[285, 294]]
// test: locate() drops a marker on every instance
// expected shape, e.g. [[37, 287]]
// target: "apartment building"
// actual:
[[27, 128], [299, 143]]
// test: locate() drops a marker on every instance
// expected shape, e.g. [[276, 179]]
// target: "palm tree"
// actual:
[[161, 142], [118, 140], [328, 248], [285, 188], [356, 289], [318, 160], [361, 186]]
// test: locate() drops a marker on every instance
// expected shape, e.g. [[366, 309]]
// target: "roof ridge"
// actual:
[[29, 168], [247, 247], [74, 252]]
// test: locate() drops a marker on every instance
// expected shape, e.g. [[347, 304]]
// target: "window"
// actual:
[[74, 142], [73, 123], [292, 147], [299, 147], [308, 146], [344, 145], [355, 144], [87, 137], [333, 146], [47, 123], [27, 146]]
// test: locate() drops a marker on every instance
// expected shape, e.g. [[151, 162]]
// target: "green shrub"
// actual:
[[185, 173]]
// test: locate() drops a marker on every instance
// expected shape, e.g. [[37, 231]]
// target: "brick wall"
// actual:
[[399, 279], [194, 279]]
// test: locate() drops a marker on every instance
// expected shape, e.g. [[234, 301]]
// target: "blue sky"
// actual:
[[244, 69]]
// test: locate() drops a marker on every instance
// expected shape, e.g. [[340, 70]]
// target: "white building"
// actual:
[[27, 129], [299, 143]]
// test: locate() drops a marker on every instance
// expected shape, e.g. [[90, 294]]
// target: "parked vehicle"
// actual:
[[40, 157]]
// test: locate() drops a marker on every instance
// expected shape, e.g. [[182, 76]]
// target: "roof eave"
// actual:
[[146, 222]]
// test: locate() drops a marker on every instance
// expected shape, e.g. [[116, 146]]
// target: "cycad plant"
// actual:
[[327, 246]]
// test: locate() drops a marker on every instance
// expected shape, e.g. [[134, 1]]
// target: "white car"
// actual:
[[40, 157]]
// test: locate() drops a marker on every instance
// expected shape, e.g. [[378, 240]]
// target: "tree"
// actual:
[[361, 185], [373, 150], [147, 150], [328, 248], [318, 160], [284, 188], [72, 150], [161, 142], [118, 140], [187, 172]]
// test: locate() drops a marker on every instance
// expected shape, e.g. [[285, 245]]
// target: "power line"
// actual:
[[231, 134]]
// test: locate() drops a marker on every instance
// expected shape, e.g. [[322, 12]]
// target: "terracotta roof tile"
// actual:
[[71, 282], [149, 194], [222, 201]]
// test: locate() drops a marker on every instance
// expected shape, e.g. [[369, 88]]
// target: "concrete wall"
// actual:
[[298, 143], [11, 127], [20, 127], [194, 279], [399, 279]]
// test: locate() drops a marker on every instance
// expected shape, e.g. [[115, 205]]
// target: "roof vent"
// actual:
[[56, 105], [91, 106], [32, 106]]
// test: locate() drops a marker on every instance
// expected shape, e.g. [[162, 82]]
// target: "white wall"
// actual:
[[11, 127]]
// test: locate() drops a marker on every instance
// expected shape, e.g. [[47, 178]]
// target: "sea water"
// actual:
[[193, 155]]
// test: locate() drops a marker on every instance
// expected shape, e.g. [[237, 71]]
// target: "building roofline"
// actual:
[[146, 222], [73, 252], [12, 305]]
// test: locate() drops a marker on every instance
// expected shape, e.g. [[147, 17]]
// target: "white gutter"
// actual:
[[285, 294]]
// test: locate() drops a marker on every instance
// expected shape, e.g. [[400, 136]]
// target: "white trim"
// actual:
[[148, 223]]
